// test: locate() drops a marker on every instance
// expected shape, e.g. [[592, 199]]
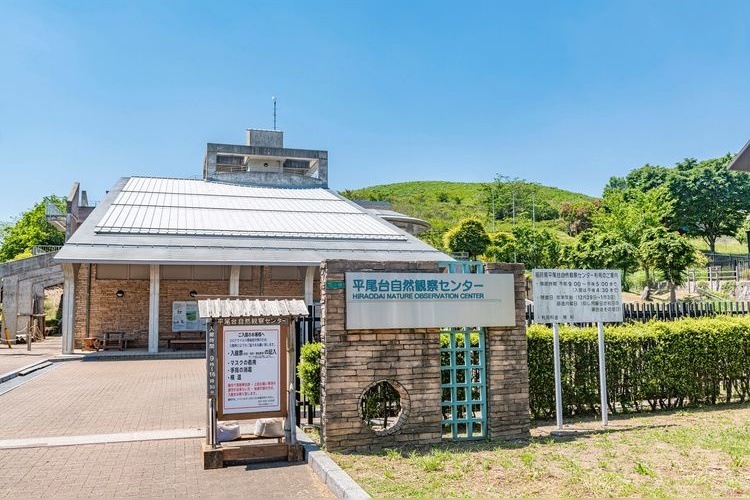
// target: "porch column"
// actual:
[[309, 282], [70, 272], [153, 310], [10, 306], [234, 280]]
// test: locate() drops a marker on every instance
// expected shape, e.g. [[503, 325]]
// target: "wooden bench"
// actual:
[[173, 343], [112, 340]]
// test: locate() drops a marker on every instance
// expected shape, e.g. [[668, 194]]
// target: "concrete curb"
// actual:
[[338, 481], [14, 373], [124, 356]]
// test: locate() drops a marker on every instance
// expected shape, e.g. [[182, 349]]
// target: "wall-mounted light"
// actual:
[[120, 294], [193, 293]]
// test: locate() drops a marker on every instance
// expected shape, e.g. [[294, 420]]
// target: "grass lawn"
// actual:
[[697, 453]]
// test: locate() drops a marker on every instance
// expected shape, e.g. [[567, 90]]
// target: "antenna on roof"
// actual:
[[274, 111]]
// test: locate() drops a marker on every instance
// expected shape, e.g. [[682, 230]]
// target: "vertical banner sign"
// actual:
[[211, 360], [251, 365]]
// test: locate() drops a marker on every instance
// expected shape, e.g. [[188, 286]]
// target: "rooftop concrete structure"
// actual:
[[264, 161]]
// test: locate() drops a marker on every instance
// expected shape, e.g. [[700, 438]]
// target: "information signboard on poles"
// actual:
[[252, 371], [577, 296]]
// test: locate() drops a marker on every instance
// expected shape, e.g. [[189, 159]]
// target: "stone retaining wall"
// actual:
[[352, 361]]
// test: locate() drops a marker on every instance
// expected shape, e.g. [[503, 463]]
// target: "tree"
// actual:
[[709, 200], [516, 198], [602, 250], [625, 215], [647, 177], [536, 248], [577, 216], [533, 247], [670, 254], [502, 248], [31, 229], [467, 236]]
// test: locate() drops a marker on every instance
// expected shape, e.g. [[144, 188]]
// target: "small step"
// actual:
[[32, 369]]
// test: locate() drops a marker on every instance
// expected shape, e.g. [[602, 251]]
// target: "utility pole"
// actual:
[[274, 112], [515, 254], [493, 209]]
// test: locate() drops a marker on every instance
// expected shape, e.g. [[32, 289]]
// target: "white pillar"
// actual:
[[153, 310], [309, 282], [68, 310], [234, 280]]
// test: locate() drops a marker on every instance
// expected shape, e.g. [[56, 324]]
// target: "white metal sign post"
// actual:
[[577, 296]]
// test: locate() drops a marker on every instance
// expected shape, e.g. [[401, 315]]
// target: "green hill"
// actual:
[[443, 203]]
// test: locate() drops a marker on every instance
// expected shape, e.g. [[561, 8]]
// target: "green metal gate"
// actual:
[[463, 375]]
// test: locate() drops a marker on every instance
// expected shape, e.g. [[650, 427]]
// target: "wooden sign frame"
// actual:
[[282, 386]]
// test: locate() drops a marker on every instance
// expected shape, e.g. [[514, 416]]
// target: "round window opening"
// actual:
[[381, 407]]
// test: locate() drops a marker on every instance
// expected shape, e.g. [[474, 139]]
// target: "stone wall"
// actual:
[[508, 368], [352, 361]]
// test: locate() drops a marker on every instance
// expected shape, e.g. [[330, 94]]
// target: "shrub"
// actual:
[[660, 365], [308, 371], [728, 287]]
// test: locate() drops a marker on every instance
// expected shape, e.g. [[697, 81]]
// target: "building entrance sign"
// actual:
[[428, 300]]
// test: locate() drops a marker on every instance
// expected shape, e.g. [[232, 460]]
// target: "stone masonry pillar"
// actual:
[[507, 366]]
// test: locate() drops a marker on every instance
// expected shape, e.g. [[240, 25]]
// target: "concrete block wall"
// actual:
[[352, 360]]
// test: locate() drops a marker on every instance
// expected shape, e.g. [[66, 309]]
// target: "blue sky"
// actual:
[[566, 94]]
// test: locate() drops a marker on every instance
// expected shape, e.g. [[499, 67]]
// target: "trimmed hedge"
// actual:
[[308, 371], [657, 365]]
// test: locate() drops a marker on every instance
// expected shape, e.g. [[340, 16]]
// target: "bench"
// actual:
[[188, 339], [111, 340]]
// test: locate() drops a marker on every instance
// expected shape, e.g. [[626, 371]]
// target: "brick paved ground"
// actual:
[[103, 397], [18, 356], [171, 468]]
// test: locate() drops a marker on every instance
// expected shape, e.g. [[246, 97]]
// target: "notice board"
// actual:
[[252, 371], [577, 296]]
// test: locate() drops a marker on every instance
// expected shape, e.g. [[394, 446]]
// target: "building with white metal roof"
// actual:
[[259, 223], [185, 221]]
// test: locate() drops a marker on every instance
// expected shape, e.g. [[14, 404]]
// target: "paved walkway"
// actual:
[[19, 356], [123, 408]]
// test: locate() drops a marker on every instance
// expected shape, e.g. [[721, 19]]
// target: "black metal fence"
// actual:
[[637, 312]]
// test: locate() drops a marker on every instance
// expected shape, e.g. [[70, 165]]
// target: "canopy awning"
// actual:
[[251, 308]]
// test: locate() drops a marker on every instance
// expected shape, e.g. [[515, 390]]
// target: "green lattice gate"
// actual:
[[463, 375], [463, 384]]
